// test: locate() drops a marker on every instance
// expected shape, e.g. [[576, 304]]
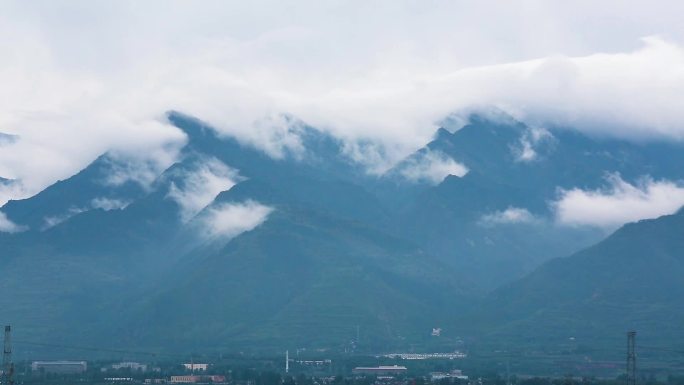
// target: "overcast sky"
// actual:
[[78, 78]]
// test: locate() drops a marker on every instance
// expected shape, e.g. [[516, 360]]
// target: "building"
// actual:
[[60, 367], [456, 374], [134, 366], [380, 370], [199, 367], [314, 362], [195, 379], [426, 356], [184, 379]]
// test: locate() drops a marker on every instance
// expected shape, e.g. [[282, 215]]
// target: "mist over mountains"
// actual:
[[494, 229]]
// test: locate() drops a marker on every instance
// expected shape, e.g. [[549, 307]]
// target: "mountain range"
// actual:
[[233, 248]]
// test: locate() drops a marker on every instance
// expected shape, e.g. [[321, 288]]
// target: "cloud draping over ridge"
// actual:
[[201, 185], [432, 167], [619, 203], [83, 78], [229, 220]]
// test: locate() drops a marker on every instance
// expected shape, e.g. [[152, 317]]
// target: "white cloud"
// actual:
[[97, 203], [619, 203], [86, 77], [201, 185], [373, 154], [108, 204], [232, 219], [12, 190], [50, 221], [141, 167], [508, 216], [277, 135], [431, 167], [525, 150], [7, 226], [54, 220]]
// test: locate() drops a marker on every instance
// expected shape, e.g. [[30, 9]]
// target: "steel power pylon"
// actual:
[[631, 358], [7, 364]]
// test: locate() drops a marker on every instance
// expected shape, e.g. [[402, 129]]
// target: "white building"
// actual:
[[184, 379], [135, 366], [380, 370], [60, 367], [457, 374], [196, 367]]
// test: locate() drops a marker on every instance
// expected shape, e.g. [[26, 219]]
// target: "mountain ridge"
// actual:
[[630, 280], [330, 248]]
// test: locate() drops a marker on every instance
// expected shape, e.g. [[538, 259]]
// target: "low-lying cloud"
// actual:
[[141, 168], [512, 215], [108, 204], [12, 190], [619, 203], [431, 167], [526, 148], [54, 220], [201, 185], [231, 219], [102, 203], [7, 226]]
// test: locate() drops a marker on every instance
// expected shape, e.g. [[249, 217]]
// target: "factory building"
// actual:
[[60, 367]]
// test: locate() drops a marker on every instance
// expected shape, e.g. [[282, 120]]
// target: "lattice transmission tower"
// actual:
[[631, 358], [7, 364]]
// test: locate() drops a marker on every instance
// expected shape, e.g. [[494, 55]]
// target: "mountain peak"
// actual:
[[441, 134], [191, 126]]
